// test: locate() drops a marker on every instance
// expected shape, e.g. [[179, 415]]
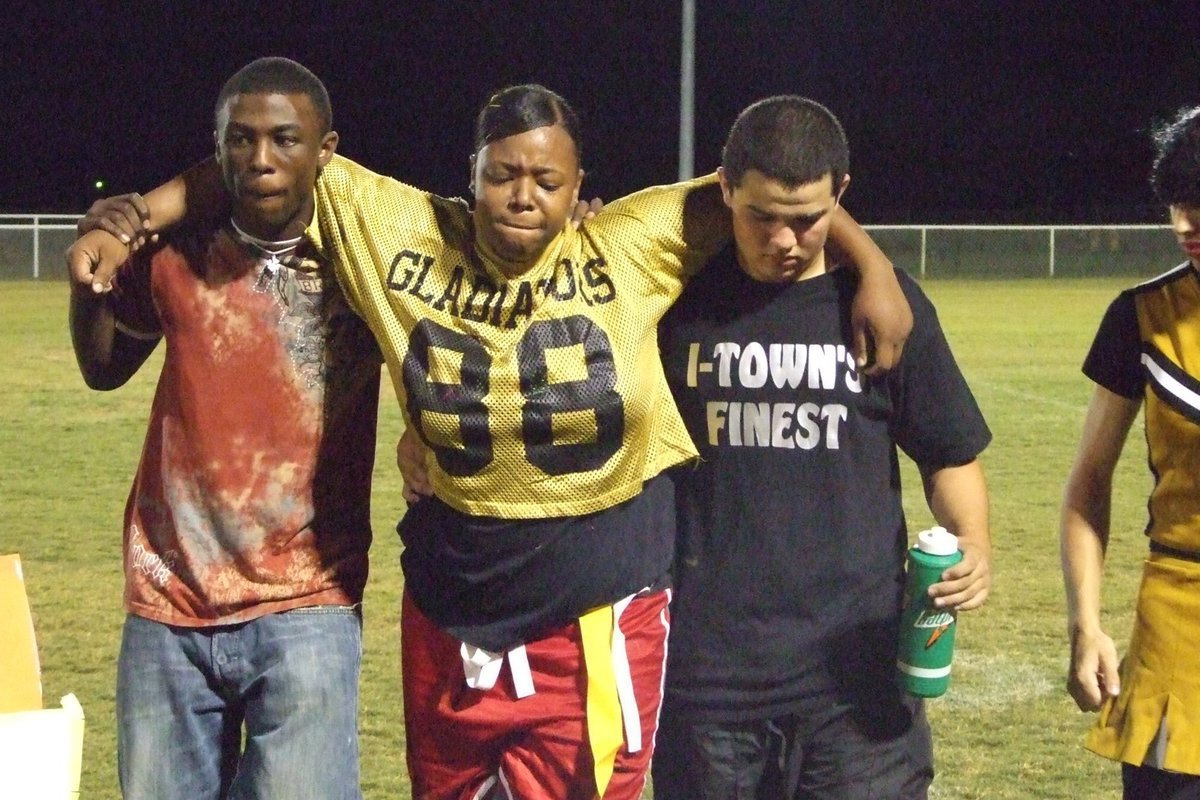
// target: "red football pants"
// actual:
[[470, 744]]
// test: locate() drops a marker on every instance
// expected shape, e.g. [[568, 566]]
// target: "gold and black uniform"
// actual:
[[542, 396], [1148, 348]]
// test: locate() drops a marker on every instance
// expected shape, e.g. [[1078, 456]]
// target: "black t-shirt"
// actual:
[[496, 583], [789, 569]]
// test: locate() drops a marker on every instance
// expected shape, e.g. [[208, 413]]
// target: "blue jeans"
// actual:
[[290, 680]]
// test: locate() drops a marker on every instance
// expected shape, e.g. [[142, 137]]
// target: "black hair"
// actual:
[[1175, 174], [277, 75], [789, 139], [518, 109]]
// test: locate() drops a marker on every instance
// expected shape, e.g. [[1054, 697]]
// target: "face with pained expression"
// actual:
[[525, 187]]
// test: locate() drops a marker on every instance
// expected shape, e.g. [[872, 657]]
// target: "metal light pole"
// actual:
[[687, 92]]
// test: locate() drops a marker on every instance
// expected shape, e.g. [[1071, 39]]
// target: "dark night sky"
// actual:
[[956, 111]]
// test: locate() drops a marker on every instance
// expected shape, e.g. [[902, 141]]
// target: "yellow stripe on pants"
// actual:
[[604, 723]]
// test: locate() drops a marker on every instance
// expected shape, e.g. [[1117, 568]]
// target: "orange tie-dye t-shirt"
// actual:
[[253, 491]]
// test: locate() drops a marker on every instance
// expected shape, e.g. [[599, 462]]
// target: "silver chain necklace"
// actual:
[[270, 251]]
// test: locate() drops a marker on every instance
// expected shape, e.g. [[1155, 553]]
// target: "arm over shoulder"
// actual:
[[675, 228], [365, 220]]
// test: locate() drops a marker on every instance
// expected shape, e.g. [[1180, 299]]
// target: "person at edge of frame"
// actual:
[[1145, 355]]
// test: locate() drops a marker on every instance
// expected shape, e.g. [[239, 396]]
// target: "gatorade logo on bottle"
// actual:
[[940, 621]]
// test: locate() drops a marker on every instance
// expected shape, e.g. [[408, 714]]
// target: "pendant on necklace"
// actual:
[[273, 264]]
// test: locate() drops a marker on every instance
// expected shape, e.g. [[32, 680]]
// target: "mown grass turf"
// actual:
[[1006, 730]]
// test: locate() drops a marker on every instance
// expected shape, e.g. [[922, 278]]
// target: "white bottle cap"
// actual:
[[937, 541]]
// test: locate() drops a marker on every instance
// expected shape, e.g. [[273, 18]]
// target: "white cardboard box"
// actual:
[[41, 750]]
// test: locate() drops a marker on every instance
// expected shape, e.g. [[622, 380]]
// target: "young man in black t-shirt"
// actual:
[[789, 564]]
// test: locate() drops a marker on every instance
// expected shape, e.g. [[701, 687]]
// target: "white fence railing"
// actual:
[[1028, 250], [32, 246]]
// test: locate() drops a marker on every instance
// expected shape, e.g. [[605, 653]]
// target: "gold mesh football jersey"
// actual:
[[541, 394]]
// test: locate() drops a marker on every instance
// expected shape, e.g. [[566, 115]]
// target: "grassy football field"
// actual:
[[1006, 730]]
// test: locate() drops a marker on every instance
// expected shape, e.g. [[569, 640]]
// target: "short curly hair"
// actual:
[[274, 74], [789, 139], [1175, 175]]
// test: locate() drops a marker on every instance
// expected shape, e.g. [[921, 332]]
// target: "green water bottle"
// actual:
[[927, 633]]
